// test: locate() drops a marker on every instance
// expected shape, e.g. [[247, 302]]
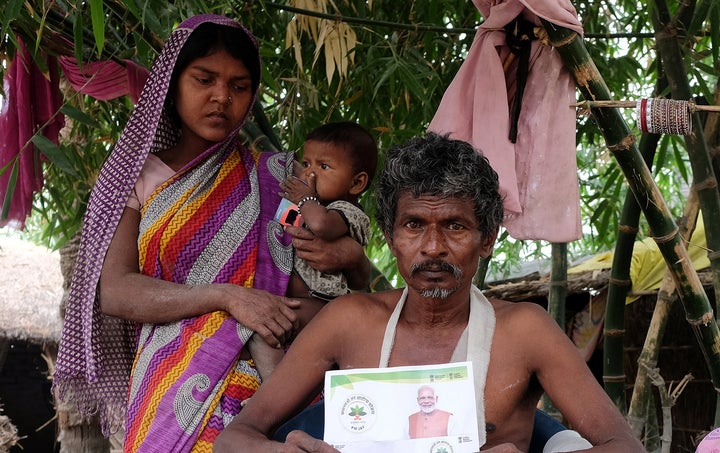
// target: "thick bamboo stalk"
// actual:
[[614, 328], [705, 182], [653, 339], [622, 144], [556, 305]]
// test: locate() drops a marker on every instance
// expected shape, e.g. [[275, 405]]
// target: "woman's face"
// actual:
[[213, 96]]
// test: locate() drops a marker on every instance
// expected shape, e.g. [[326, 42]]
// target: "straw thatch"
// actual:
[[8, 434], [31, 285], [533, 286]]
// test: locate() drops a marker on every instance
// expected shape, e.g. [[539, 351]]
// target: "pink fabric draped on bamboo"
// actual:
[[538, 173], [105, 80], [32, 100], [32, 103]]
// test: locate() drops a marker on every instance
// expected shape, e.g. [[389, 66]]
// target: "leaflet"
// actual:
[[421, 409]]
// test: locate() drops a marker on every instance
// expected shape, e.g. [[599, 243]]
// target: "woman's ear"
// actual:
[[359, 182]]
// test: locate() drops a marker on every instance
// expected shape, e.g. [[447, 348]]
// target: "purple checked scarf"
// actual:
[[96, 351]]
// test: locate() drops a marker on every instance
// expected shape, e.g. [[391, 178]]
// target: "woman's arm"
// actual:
[[128, 294]]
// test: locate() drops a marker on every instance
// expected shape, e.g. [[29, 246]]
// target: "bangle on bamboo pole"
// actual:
[[632, 104], [657, 115]]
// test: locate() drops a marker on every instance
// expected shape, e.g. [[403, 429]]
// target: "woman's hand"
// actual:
[[340, 255], [270, 316]]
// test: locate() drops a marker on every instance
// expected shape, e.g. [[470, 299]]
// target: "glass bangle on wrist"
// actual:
[[304, 199]]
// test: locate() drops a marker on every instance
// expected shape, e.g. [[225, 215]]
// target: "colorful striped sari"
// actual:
[[210, 224]]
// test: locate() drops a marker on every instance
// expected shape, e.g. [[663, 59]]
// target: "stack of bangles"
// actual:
[[664, 116], [303, 200]]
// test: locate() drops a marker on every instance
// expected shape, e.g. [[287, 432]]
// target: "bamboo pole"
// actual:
[[556, 306], [639, 403], [622, 144], [692, 106], [667, 31], [619, 284]]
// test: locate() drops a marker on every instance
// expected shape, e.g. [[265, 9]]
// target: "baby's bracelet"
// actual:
[[305, 199]]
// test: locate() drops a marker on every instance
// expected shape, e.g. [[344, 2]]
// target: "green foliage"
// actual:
[[405, 56]]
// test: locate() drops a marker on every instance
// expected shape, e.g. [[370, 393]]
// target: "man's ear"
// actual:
[[390, 242], [488, 243], [359, 182]]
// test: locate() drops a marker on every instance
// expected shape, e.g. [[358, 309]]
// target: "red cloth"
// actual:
[[32, 101], [105, 80]]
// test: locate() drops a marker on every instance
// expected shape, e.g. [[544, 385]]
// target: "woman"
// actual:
[[180, 196]]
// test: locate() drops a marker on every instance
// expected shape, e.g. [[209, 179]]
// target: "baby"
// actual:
[[338, 164]]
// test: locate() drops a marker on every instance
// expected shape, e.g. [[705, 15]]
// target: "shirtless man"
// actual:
[[440, 210]]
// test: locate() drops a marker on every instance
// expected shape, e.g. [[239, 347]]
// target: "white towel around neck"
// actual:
[[474, 345]]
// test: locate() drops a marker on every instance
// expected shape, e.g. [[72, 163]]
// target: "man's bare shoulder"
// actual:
[[363, 306], [518, 312]]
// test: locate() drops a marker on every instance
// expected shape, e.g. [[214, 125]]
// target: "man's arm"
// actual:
[[567, 380]]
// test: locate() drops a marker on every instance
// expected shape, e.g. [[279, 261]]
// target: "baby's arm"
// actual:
[[324, 223]]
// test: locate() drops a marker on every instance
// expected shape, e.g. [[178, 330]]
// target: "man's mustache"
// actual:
[[435, 266]]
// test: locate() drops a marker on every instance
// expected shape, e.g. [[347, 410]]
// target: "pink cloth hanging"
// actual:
[[32, 101], [538, 173], [105, 80]]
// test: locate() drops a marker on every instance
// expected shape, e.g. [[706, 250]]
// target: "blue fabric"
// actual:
[[544, 428], [312, 421]]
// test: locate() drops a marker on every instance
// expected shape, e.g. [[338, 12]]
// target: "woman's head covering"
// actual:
[[96, 351]]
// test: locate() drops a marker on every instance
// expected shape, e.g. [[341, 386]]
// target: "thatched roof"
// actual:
[[31, 291], [533, 286]]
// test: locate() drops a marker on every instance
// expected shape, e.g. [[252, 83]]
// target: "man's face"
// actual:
[[437, 243], [426, 400]]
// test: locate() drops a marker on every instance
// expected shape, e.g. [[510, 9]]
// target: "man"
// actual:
[[440, 210], [429, 421]]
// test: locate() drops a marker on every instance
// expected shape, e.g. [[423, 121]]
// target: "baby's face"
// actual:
[[331, 167]]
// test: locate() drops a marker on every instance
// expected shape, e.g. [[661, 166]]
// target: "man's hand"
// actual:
[[302, 441], [503, 448]]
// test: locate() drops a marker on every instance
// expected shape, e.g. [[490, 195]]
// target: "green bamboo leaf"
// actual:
[[715, 30], [11, 12], [54, 153], [78, 37], [680, 163], [78, 115], [12, 183], [98, 23], [390, 69], [132, 7]]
